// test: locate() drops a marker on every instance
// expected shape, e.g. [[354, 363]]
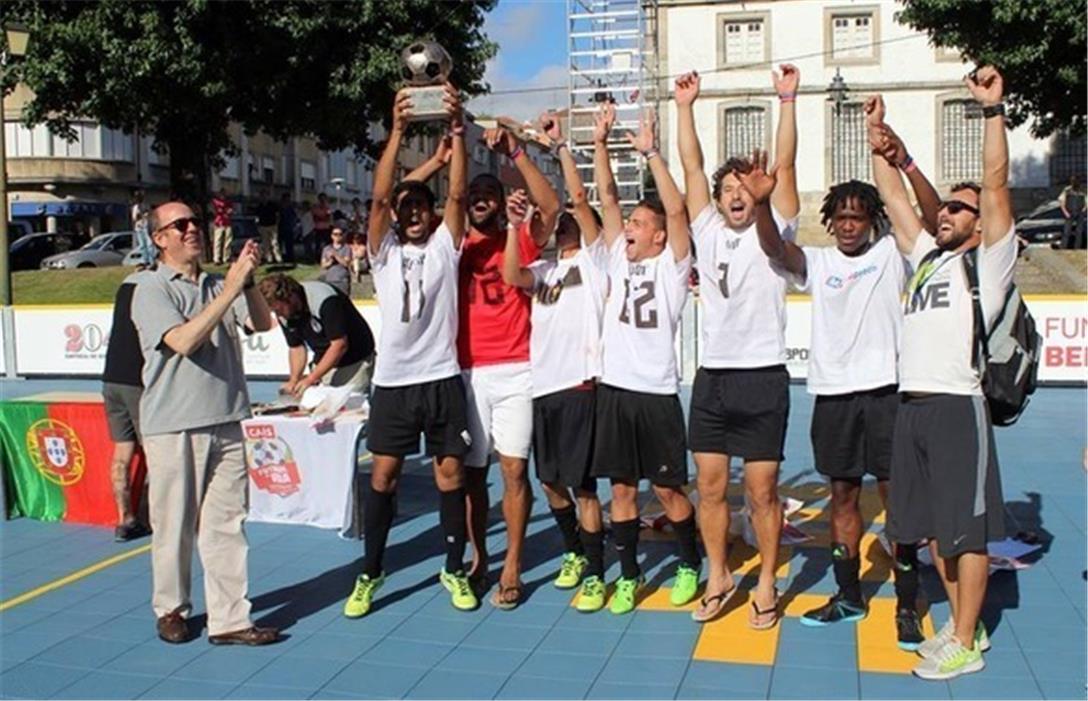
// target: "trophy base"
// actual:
[[427, 103]]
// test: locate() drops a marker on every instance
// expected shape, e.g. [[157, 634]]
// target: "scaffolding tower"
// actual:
[[612, 52]]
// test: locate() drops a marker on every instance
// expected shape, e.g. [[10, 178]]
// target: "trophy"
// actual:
[[426, 68]]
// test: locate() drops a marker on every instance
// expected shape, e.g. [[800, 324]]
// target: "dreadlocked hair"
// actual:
[[864, 194], [734, 165]]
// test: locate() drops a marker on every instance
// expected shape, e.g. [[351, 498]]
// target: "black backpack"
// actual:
[[1006, 358]]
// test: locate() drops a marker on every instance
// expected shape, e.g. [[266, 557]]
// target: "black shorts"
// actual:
[[852, 433], [563, 425], [740, 412], [945, 483], [436, 409], [640, 436], [122, 411]]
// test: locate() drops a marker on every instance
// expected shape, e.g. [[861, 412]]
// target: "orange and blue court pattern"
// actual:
[[75, 621]]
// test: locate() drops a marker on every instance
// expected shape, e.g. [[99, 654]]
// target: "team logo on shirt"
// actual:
[[55, 451], [834, 282], [549, 294], [272, 467]]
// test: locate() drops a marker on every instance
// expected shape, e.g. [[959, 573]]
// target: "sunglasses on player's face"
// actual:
[[182, 224], [957, 206]]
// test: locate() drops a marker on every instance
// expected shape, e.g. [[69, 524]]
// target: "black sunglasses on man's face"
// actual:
[[957, 206], [182, 224]]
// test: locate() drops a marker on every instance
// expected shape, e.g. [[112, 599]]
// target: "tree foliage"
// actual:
[[1038, 45], [183, 71]]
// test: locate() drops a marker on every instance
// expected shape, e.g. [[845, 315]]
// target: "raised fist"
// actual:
[[986, 85], [687, 88], [786, 82]]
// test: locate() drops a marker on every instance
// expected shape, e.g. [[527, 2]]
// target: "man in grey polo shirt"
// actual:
[[194, 400]]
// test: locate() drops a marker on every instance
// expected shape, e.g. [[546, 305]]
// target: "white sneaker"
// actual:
[[930, 647], [950, 661]]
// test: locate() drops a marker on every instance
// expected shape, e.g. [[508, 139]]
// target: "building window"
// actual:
[[743, 40], [268, 169], [744, 129], [352, 171], [853, 36], [230, 167], [116, 145], [479, 154], [1067, 158], [27, 143], [961, 140], [153, 157], [850, 153], [308, 175]]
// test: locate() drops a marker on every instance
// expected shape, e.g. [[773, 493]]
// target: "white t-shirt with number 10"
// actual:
[[645, 302], [416, 287]]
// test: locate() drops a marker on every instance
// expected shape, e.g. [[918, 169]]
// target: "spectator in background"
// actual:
[[315, 315], [288, 222], [357, 223], [222, 209], [1072, 203], [267, 214], [336, 262], [142, 239], [360, 262], [306, 231], [121, 390], [322, 225]]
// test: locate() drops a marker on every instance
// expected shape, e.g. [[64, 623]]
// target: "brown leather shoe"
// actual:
[[250, 636], [173, 628]]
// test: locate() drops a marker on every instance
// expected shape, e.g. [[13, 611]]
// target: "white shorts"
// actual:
[[500, 411]]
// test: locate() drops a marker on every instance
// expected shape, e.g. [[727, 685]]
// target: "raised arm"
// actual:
[[576, 190], [438, 160], [904, 220], [895, 151], [760, 184], [691, 154], [456, 199], [602, 174], [381, 209], [541, 191], [676, 216], [785, 198], [517, 206], [988, 87]]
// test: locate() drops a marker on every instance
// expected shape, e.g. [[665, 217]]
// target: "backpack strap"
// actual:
[[980, 345]]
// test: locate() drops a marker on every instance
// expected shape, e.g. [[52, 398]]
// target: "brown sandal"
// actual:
[[500, 599]]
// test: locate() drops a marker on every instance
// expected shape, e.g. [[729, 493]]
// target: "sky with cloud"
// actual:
[[532, 54]]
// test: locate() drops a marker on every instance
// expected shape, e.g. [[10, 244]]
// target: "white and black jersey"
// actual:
[[416, 287], [743, 294], [645, 303], [568, 301]]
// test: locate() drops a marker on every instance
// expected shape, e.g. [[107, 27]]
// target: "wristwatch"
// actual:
[[993, 110]]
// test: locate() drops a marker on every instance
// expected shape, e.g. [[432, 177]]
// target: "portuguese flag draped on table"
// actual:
[[56, 462]]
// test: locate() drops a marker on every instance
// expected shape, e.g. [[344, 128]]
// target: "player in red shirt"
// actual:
[[493, 349]]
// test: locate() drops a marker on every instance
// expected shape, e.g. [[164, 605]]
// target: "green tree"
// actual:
[[183, 71], [1038, 45]]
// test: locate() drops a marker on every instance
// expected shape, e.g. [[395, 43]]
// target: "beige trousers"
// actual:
[[270, 244], [198, 489], [222, 237]]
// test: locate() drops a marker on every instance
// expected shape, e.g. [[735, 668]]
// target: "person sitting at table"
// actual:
[[318, 316], [194, 401]]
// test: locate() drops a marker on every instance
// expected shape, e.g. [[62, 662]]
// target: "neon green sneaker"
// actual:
[[931, 647], [591, 597], [684, 585], [570, 572], [623, 599], [358, 604], [457, 585], [952, 660]]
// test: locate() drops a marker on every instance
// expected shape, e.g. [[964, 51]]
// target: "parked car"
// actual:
[[103, 250], [1044, 224], [27, 252], [18, 229], [242, 229]]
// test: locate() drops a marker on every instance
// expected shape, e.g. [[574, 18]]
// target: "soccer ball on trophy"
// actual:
[[426, 65]]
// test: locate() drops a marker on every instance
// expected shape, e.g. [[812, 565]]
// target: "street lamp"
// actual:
[[17, 37], [837, 91]]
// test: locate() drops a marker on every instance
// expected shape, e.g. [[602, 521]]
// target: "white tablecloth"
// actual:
[[299, 473]]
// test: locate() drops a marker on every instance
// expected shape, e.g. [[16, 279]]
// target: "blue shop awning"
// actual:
[[68, 209]]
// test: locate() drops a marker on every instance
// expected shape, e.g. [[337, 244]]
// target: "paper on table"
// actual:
[[324, 402]]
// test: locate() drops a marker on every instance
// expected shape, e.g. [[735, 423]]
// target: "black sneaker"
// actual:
[[130, 531], [908, 627], [836, 610]]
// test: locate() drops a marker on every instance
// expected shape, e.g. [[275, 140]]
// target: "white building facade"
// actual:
[[734, 44]]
